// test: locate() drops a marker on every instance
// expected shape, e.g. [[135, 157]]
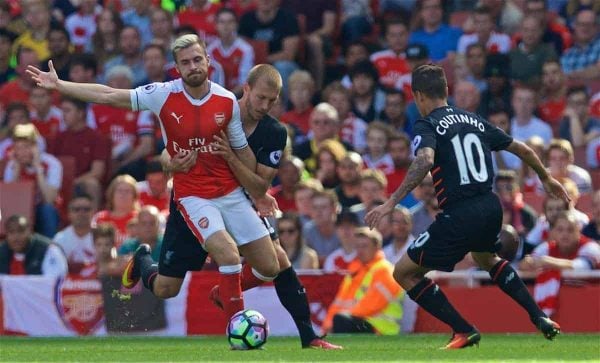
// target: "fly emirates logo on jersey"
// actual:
[[195, 143]]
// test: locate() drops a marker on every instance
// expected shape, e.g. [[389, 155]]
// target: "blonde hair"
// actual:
[[268, 73], [326, 109], [110, 191], [186, 41], [334, 147], [562, 145], [301, 78], [375, 175], [310, 184]]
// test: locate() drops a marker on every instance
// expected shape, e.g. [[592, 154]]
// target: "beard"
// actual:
[[195, 79]]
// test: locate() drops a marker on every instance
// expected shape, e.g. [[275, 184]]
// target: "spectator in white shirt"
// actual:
[[76, 239], [484, 33], [345, 227], [524, 124], [401, 235]]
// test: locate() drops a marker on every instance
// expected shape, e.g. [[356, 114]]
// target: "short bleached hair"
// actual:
[[326, 109], [186, 41]]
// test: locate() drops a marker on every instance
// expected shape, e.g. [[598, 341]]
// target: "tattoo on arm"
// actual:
[[415, 174]]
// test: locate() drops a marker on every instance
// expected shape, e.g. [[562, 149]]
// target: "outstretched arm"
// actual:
[[415, 174], [551, 185], [87, 92]]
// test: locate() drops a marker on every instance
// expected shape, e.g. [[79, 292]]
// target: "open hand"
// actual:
[[47, 80], [555, 189], [376, 214], [267, 206]]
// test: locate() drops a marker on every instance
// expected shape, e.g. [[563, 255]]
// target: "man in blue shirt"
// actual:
[[439, 38]]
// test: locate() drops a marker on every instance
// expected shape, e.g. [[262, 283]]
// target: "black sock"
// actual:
[[431, 298], [506, 278], [148, 270], [293, 297]]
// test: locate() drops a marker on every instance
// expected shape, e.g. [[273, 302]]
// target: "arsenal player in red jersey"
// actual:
[[192, 110]]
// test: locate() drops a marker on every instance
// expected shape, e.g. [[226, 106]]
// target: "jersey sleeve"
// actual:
[[497, 139], [270, 154], [145, 123], [235, 131], [149, 97], [424, 136]]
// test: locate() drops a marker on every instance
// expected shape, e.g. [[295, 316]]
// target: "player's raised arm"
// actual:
[[415, 174], [551, 185], [87, 92]]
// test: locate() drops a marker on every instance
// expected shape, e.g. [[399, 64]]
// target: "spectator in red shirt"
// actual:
[[377, 156], [156, 189], [400, 152], [201, 14], [554, 93], [131, 132], [16, 114], [19, 88], [340, 258], [289, 173], [122, 205], [231, 51], [27, 162], [301, 87], [391, 62], [90, 149], [47, 118]]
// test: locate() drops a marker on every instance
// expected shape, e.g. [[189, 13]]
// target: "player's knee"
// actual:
[[282, 258]]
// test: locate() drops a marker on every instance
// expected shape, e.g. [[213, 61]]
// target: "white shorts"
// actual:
[[233, 212]]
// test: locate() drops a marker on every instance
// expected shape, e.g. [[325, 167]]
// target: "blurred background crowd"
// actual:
[[531, 67]]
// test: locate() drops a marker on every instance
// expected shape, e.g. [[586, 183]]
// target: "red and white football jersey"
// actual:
[[390, 66], [237, 60], [190, 124], [123, 126], [50, 125], [354, 132]]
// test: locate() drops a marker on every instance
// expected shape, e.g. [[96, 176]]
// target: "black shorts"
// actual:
[[181, 251], [472, 225]]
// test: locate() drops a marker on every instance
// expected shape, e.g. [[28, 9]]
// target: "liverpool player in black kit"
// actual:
[[455, 146], [181, 251]]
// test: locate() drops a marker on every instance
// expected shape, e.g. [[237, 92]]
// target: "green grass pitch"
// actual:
[[361, 348]]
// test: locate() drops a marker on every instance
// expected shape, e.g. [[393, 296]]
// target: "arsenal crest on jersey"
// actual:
[[220, 118], [79, 304]]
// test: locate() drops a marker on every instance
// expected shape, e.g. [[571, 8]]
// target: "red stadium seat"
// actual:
[[66, 190], [584, 203], [595, 179], [16, 198], [535, 201]]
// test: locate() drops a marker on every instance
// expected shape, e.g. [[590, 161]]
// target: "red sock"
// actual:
[[249, 280], [231, 293]]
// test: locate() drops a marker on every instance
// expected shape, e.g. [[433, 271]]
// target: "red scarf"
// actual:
[[547, 283]]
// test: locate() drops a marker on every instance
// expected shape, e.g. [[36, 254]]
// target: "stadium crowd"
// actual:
[[531, 67]]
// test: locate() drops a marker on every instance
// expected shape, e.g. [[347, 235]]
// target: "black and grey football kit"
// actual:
[[462, 176]]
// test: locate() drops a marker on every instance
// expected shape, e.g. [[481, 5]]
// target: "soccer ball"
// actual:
[[247, 329]]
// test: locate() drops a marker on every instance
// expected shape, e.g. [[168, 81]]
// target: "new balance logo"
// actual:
[[509, 277], [176, 117]]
